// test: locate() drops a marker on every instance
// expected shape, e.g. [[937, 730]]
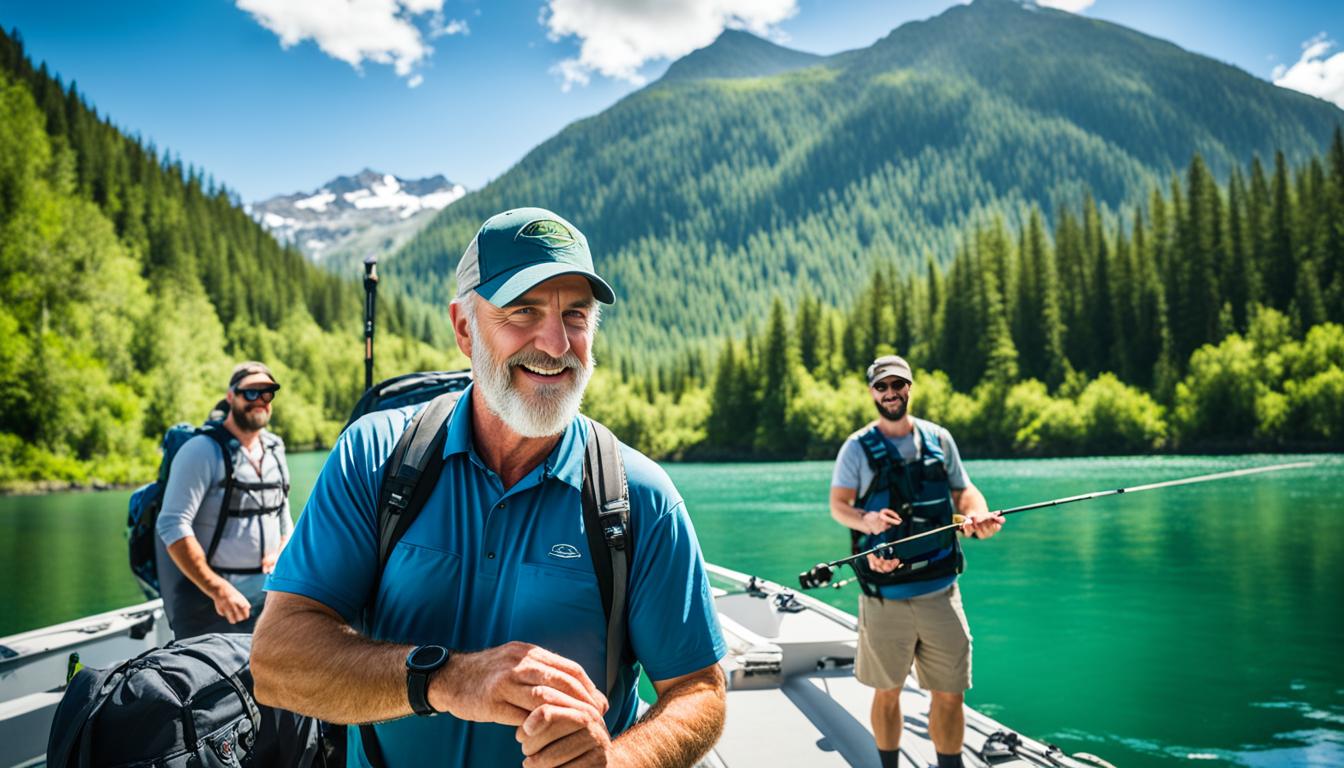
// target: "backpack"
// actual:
[[143, 511], [413, 470], [195, 695]]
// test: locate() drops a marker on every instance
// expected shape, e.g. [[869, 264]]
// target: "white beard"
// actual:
[[545, 413]]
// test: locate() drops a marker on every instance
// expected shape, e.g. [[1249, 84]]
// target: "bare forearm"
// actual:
[[312, 662], [681, 727], [190, 559], [971, 502], [845, 513]]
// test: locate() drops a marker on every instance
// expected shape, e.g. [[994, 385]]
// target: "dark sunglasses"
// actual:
[[264, 394], [900, 384]]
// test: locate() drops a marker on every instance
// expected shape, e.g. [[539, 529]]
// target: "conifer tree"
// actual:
[[1280, 264], [1073, 283], [778, 384], [1332, 267], [1241, 281], [808, 324], [1098, 289]]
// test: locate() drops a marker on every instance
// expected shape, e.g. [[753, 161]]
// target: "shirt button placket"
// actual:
[[491, 561]]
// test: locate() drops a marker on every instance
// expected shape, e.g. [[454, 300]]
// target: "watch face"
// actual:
[[427, 657]]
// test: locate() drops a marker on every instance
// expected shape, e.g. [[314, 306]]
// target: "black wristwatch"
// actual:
[[420, 664]]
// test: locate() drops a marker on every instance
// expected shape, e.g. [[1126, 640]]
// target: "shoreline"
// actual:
[[49, 487]]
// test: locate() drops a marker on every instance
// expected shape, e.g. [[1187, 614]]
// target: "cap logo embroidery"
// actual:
[[548, 232], [564, 552]]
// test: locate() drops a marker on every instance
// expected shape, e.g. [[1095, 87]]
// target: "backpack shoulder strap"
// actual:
[[221, 437], [274, 449], [410, 475], [606, 518]]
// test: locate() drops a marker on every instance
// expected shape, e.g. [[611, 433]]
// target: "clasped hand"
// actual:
[[875, 523], [556, 708]]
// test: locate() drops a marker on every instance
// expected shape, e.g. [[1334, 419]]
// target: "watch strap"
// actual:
[[417, 682]]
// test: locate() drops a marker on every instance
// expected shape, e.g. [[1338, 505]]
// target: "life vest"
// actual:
[[244, 498], [918, 491]]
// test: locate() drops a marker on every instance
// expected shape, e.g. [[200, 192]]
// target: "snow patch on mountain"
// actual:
[[370, 211]]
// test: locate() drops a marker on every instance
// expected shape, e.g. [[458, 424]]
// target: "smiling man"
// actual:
[[486, 641], [897, 477], [225, 513]]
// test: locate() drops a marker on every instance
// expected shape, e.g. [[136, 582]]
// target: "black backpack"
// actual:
[[142, 512], [188, 703], [413, 469]]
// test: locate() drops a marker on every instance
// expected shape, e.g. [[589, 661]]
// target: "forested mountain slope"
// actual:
[[708, 191], [129, 285]]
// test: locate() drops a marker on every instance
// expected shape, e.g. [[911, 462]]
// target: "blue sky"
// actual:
[[466, 87]]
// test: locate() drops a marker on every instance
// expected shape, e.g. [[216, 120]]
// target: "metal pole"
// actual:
[[370, 300]]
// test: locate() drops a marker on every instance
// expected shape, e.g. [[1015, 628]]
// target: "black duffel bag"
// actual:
[[188, 703]]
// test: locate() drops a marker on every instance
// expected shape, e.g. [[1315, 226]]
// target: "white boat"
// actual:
[[34, 666], [792, 696]]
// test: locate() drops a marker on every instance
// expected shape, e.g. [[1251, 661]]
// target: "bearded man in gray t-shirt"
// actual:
[[221, 527], [895, 478]]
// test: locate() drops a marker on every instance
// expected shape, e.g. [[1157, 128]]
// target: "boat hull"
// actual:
[[792, 696]]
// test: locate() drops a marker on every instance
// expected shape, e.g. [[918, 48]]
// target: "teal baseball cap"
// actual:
[[516, 250]]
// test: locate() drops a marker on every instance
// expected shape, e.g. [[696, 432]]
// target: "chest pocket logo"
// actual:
[[564, 552]]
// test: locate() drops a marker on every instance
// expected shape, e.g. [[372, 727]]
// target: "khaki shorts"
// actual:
[[929, 630]]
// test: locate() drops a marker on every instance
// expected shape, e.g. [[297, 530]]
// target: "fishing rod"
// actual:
[[370, 299], [820, 574]]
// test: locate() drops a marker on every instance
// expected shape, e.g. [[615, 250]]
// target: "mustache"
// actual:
[[539, 359]]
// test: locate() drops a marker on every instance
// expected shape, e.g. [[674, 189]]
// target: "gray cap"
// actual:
[[243, 370], [889, 365]]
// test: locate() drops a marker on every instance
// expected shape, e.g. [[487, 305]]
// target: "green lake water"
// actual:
[[1195, 624]]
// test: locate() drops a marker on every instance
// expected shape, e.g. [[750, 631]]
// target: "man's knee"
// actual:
[[887, 697], [886, 711], [948, 698]]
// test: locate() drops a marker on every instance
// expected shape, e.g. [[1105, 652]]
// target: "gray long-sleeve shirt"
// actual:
[[195, 491]]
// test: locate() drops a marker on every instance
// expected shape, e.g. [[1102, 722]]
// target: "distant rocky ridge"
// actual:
[[351, 217]]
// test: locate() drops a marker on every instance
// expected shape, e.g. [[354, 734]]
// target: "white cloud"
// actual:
[[353, 31], [453, 27], [415, 81], [620, 36], [571, 73], [1072, 6], [1315, 73]]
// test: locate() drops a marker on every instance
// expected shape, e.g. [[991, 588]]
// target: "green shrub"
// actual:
[[1119, 419]]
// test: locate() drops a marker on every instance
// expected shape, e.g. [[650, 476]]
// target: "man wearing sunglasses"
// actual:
[[225, 514], [897, 477]]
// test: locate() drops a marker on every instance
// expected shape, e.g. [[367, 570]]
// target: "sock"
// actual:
[[949, 761], [890, 757]]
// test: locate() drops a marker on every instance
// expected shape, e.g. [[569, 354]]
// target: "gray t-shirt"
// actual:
[[196, 489], [851, 465]]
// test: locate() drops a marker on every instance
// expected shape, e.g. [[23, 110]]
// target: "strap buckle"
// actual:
[[611, 519], [398, 498]]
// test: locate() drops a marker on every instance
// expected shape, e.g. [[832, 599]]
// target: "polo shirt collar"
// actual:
[[565, 462]]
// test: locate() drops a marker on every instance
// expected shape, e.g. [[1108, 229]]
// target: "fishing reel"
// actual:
[[817, 576]]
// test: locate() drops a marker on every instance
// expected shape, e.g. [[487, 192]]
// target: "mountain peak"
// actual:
[[347, 209], [737, 53]]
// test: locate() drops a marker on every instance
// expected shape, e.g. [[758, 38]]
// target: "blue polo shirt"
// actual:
[[482, 566]]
